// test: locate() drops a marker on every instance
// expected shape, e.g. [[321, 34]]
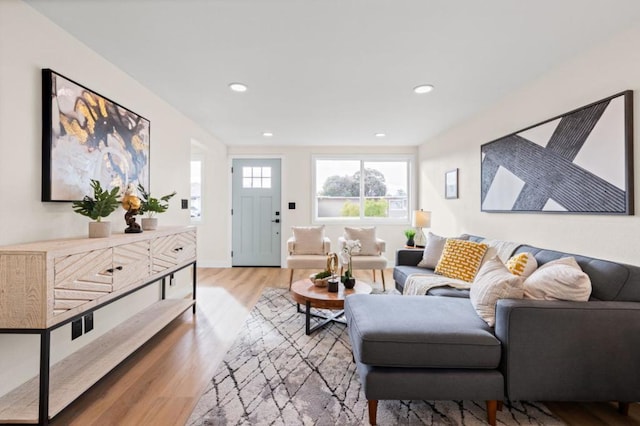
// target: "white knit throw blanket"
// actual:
[[419, 284]]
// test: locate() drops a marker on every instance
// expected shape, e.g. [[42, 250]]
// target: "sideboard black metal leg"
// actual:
[[45, 351], [195, 280]]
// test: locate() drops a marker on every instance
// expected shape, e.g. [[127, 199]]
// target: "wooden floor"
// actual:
[[161, 383]]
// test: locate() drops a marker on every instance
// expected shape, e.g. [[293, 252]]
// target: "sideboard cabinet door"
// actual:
[[172, 250], [131, 264], [80, 278]]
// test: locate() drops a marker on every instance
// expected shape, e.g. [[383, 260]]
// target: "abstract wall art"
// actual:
[[87, 136], [579, 162]]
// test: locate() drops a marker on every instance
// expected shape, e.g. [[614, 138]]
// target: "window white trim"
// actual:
[[411, 194]]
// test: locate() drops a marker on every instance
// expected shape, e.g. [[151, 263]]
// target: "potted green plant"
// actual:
[[102, 204], [151, 205], [410, 233]]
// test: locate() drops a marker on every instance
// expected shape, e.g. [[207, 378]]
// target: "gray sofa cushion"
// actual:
[[401, 273], [449, 292], [418, 331]]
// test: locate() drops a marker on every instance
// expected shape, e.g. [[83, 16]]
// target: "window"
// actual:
[[369, 189], [196, 190], [256, 177]]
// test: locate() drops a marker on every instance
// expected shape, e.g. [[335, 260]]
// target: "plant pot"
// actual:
[[149, 223], [99, 229], [349, 283], [411, 242]]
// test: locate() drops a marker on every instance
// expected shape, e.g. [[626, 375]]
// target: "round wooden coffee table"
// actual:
[[305, 293]]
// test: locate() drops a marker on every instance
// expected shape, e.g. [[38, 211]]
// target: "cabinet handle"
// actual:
[[119, 268], [177, 249], [110, 270]]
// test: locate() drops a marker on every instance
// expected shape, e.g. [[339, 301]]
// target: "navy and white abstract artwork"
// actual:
[[580, 162]]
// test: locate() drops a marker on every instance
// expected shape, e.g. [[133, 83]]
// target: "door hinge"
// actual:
[[231, 212], [231, 253], [231, 169]]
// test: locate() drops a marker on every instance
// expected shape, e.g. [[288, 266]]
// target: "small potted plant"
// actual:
[[410, 233], [103, 203], [350, 248], [151, 205]]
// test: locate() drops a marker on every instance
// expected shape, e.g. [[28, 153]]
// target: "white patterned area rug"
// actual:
[[276, 375]]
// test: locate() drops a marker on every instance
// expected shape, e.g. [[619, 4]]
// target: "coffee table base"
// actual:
[[327, 319]]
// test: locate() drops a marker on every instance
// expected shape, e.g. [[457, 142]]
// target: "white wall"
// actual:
[[28, 43], [605, 70], [297, 187], [214, 248]]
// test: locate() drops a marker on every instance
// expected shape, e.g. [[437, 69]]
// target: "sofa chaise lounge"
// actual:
[[438, 348]]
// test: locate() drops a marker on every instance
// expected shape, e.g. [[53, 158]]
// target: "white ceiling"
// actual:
[[335, 72]]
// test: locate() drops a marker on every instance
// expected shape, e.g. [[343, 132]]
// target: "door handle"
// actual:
[[276, 220]]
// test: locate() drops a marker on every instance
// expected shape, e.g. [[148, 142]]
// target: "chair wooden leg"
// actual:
[[373, 410], [384, 287], [492, 407], [623, 408], [500, 405], [290, 279]]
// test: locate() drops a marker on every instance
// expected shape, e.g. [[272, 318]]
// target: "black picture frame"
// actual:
[[580, 162], [88, 136], [451, 184]]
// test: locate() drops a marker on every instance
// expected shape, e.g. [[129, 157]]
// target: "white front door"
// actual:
[[255, 212]]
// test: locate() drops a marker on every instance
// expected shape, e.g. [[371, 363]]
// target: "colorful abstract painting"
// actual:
[[580, 162], [87, 136]]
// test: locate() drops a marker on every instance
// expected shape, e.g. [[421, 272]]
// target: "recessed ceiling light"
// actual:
[[238, 87], [380, 135], [423, 88], [267, 134]]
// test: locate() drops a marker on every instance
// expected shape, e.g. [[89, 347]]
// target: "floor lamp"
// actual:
[[421, 219]]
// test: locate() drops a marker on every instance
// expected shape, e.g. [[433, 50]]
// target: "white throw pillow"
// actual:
[[493, 282], [309, 239], [367, 238], [560, 279]]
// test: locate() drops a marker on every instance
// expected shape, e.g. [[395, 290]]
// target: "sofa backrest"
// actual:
[[609, 280]]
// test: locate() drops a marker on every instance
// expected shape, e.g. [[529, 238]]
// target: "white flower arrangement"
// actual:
[[350, 247]]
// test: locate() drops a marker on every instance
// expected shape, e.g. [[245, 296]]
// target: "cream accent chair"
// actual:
[[308, 249], [371, 253]]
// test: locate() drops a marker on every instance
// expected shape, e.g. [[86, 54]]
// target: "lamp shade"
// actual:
[[421, 219]]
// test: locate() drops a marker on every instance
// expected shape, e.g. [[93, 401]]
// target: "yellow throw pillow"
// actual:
[[461, 259], [522, 264]]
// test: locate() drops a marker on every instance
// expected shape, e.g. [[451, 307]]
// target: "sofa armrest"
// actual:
[[382, 245], [290, 242], [342, 241], [408, 257], [326, 242], [570, 351]]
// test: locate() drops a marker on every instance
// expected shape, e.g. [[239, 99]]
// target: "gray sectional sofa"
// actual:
[[438, 348]]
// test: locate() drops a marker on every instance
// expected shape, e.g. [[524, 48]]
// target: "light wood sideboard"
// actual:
[[45, 285]]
